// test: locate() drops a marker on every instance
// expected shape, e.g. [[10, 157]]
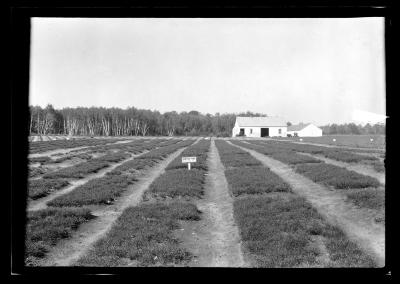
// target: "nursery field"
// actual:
[[243, 203], [358, 141]]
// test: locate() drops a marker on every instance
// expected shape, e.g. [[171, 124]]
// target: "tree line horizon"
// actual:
[[101, 121]]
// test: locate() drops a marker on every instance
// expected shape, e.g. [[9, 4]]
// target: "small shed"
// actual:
[[304, 130], [259, 126]]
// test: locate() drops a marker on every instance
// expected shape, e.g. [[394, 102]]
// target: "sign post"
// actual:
[[189, 160]]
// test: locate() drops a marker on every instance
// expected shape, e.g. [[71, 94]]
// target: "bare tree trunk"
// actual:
[[137, 127], [144, 128], [30, 126]]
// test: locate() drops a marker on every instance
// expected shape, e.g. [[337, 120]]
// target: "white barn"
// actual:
[[259, 127], [304, 130]]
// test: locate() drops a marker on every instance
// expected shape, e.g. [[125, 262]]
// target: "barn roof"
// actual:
[[260, 121], [297, 127]]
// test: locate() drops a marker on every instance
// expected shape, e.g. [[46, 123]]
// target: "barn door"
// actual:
[[264, 132]]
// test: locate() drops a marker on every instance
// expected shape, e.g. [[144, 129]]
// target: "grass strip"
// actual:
[[143, 236]]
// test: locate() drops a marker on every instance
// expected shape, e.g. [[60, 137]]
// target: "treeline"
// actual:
[[352, 128], [100, 121]]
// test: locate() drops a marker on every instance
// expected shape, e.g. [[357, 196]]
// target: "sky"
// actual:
[[304, 70]]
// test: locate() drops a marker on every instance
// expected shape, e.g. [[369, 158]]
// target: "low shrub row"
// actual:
[[198, 150], [42, 187], [143, 236], [44, 146], [177, 181], [254, 180], [77, 171], [279, 231], [41, 160], [34, 172], [234, 157], [279, 153], [162, 152], [48, 226], [331, 153], [335, 176], [279, 228], [89, 167], [105, 190], [97, 191], [371, 198]]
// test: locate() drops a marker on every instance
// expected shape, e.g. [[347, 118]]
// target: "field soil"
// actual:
[[357, 223], [215, 239], [70, 250], [357, 167]]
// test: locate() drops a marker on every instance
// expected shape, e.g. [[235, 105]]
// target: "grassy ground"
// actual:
[[46, 227], [335, 176], [142, 236]]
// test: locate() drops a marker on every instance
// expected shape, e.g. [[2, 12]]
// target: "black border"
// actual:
[[19, 35]]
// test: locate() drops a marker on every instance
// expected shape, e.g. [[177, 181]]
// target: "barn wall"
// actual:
[[273, 131], [311, 131]]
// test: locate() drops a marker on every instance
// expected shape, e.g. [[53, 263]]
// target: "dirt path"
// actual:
[[68, 251], [215, 239], [41, 203], [358, 224], [359, 168]]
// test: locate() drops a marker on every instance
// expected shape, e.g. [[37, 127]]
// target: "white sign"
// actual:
[[188, 159]]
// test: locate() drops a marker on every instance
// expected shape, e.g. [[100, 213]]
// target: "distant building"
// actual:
[[259, 127], [304, 130]]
